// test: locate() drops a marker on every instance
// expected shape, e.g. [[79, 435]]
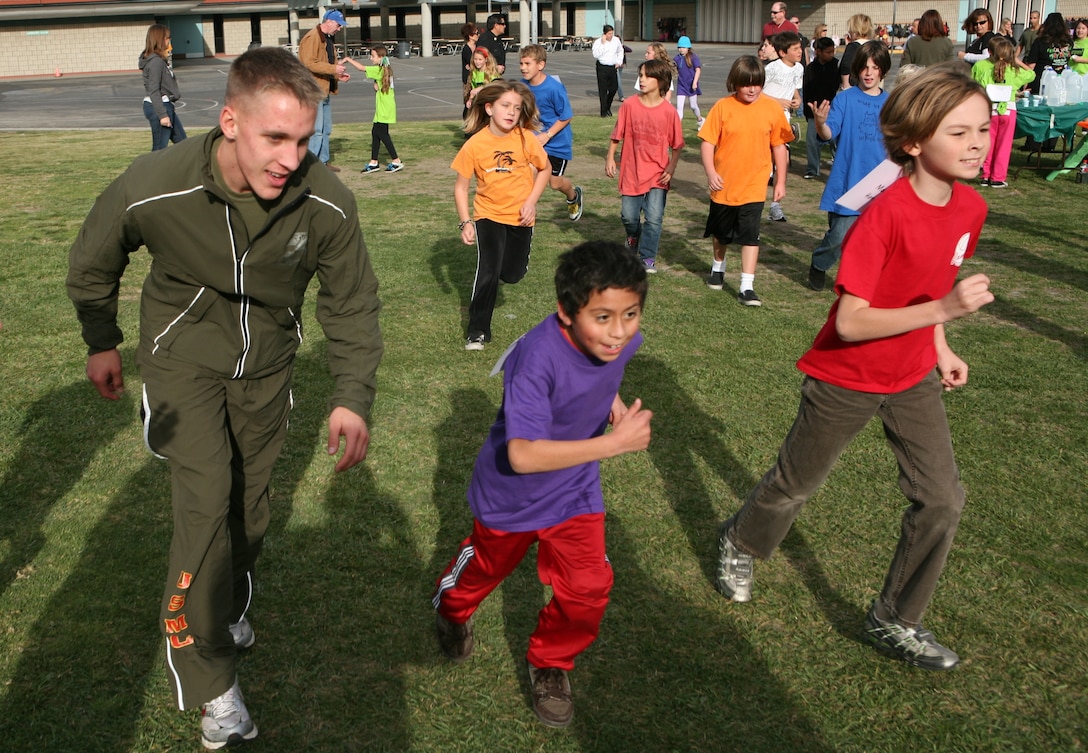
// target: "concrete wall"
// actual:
[[36, 49]]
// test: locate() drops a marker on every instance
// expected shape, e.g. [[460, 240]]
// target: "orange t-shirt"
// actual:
[[742, 136], [503, 166]]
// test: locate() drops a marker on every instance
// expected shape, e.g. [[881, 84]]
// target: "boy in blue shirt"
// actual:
[[555, 113], [537, 477], [852, 119]]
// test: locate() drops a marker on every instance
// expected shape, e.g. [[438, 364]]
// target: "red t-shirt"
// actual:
[[900, 252], [769, 29], [649, 135]]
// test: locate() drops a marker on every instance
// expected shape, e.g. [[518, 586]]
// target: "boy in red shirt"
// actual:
[[649, 128], [883, 352]]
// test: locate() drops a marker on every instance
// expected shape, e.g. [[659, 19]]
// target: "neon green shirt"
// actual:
[[385, 103]]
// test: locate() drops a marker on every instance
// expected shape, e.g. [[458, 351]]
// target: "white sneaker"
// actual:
[[225, 720], [242, 633]]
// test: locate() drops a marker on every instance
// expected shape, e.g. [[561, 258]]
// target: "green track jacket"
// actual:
[[217, 298]]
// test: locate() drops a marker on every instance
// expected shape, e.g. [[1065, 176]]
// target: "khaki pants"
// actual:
[[221, 438], [916, 427]]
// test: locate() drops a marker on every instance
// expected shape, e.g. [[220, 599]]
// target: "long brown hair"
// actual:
[[489, 94], [387, 70], [157, 42]]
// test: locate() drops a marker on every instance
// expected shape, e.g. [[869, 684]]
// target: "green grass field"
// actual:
[[345, 658]]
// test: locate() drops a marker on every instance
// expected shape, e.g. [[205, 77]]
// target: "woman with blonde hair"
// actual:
[[160, 89], [859, 29], [931, 44], [820, 31]]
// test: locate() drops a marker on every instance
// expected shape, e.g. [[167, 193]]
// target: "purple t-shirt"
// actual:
[[554, 391], [686, 76]]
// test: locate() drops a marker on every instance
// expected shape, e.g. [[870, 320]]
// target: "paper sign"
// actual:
[[871, 186]]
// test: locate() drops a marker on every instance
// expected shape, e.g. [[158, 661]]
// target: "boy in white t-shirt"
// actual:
[[784, 78]]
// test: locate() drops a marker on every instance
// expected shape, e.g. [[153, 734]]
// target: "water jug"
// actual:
[[1074, 87], [1047, 86]]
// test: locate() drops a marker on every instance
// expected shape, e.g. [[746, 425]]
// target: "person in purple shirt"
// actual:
[[537, 477]]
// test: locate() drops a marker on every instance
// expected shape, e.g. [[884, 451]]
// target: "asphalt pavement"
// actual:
[[427, 89]]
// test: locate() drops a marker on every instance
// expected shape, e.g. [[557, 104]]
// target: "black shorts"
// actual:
[[738, 224], [559, 165]]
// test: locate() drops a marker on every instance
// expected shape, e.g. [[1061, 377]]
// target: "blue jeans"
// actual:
[[650, 207], [161, 136], [319, 142], [813, 144], [916, 427], [829, 251]]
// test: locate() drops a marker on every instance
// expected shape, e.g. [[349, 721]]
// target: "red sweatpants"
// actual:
[[570, 558]]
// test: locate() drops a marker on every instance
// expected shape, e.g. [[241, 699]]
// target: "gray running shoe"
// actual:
[[225, 720], [455, 641], [242, 633], [734, 568], [915, 646], [552, 701]]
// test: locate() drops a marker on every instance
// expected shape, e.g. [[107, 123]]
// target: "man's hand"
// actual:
[[351, 426], [104, 371]]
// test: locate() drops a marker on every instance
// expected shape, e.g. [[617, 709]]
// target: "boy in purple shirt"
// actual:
[[537, 477]]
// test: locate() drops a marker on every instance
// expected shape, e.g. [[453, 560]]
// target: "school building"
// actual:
[[41, 37]]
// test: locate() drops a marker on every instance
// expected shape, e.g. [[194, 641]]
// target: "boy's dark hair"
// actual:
[[746, 71], [783, 40], [594, 266], [823, 43], [607, 28], [876, 51], [660, 72]]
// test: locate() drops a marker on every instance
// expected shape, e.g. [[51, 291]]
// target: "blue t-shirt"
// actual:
[[553, 105], [554, 391], [854, 121]]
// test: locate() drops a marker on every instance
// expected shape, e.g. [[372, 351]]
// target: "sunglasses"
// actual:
[[983, 22]]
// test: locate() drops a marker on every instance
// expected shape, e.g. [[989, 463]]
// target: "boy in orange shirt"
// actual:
[[741, 137]]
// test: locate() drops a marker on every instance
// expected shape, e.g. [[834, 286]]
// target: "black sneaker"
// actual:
[[475, 342], [984, 181], [915, 646], [997, 184], [749, 298], [810, 174], [817, 278], [716, 281], [552, 702], [455, 641]]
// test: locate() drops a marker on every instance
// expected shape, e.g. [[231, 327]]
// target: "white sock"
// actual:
[[718, 266], [746, 281]]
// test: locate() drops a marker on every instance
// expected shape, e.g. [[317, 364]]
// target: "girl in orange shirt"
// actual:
[[511, 171]]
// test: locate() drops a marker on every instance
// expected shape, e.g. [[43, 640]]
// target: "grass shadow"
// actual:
[[83, 675], [61, 433]]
